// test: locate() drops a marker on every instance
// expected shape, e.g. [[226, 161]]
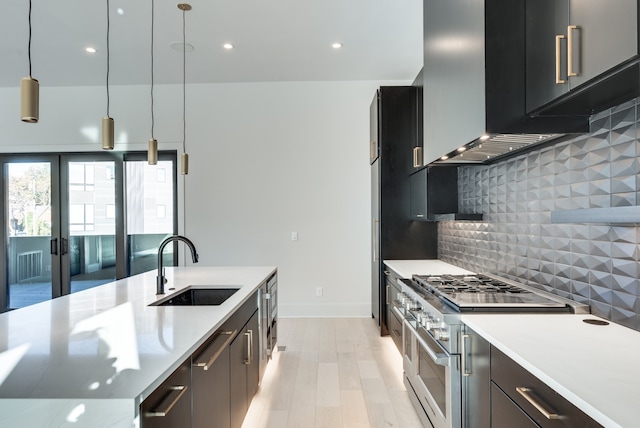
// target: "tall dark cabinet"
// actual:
[[395, 236]]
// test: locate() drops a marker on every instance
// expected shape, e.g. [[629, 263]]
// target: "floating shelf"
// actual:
[[619, 215]]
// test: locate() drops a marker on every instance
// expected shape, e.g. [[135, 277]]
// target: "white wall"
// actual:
[[266, 159]]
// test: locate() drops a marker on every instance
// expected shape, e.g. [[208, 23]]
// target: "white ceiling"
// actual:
[[276, 40]]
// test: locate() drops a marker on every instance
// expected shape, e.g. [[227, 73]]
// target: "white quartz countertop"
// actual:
[[597, 368], [407, 268], [107, 342]]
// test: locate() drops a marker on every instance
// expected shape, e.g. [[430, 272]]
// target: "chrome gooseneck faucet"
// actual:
[[160, 279]]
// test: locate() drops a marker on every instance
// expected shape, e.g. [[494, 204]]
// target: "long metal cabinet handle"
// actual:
[[527, 395], [218, 349], [388, 303], [373, 148], [559, 80], [249, 336], [570, 71], [465, 337], [54, 246], [375, 240], [417, 157], [170, 400]]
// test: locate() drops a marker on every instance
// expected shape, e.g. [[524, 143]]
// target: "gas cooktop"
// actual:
[[485, 292]]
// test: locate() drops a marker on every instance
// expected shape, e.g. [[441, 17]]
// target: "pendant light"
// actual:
[[184, 160], [107, 122], [152, 152], [29, 90]]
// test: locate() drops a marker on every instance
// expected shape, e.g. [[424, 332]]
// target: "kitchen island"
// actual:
[[90, 358]]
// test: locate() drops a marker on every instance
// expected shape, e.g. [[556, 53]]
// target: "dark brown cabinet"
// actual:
[[579, 48], [210, 382], [243, 370], [169, 405], [519, 399]]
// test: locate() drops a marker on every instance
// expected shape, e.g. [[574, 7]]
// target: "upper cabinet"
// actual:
[[580, 46]]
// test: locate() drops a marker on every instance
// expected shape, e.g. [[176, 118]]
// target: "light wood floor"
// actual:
[[335, 372]]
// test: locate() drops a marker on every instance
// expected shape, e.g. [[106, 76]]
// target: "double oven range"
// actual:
[[441, 357]]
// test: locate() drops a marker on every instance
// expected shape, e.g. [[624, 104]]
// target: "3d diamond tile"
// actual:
[[624, 317], [599, 171], [624, 283], [624, 300], [602, 310], [624, 250], [624, 166], [601, 279], [624, 267], [601, 294], [623, 199]]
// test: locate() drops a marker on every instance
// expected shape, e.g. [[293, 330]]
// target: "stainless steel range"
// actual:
[[437, 350]]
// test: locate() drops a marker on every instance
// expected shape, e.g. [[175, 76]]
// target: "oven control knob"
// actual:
[[434, 325], [444, 334]]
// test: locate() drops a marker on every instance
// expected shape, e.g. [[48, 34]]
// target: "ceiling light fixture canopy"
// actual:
[[107, 121], [184, 160], [29, 90]]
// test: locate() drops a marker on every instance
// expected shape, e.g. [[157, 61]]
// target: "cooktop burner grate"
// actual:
[[468, 284]]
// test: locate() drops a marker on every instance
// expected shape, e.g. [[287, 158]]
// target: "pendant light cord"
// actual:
[[29, 38], [184, 79], [152, 25], [108, 25]]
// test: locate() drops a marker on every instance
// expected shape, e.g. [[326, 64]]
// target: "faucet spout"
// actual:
[[160, 279]]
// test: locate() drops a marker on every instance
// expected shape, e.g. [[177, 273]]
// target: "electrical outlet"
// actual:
[[294, 236], [319, 291]]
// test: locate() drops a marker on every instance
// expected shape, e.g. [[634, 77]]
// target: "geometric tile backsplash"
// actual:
[[591, 263]]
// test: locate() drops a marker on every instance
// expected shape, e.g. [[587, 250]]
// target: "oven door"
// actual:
[[435, 378]]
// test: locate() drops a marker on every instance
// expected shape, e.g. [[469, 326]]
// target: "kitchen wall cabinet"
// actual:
[[474, 76], [519, 399], [582, 40], [243, 370], [434, 195], [169, 405]]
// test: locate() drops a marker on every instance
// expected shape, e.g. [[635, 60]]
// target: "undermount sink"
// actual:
[[197, 297]]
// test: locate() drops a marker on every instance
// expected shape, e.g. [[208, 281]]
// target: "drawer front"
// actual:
[[395, 328], [505, 413], [533, 396]]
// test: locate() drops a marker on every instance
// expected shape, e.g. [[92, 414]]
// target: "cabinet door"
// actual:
[[546, 77], [418, 202], [210, 384], [169, 406], [238, 356], [253, 368], [244, 370], [606, 35]]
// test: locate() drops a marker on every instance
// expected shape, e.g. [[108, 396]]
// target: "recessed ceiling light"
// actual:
[[336, 45], [178, 46], [445, 157], [120, 11], [90, 49], [228, 46]]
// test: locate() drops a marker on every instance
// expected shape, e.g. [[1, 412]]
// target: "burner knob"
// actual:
[[437, 334]]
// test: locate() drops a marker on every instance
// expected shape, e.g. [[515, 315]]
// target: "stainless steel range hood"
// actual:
[[487, 150]]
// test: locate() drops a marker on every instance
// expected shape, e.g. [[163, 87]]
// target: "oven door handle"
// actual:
[[441, 359]]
